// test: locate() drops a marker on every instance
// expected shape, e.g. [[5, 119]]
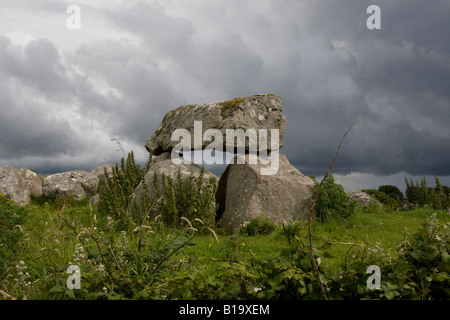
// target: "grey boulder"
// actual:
[[244, 194], [80, 184], [100, 171], [254, 112], [33, 181], [19, 184], [361, 198]]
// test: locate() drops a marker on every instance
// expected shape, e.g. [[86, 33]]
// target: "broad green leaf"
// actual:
[[57, 288]]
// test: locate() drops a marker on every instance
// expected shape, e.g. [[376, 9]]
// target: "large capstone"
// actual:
[[260, 114]]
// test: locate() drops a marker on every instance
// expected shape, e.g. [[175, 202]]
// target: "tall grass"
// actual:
[[49, 243]]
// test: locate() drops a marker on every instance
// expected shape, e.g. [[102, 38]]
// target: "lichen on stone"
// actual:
[[229, 105], [160, 130], [189, 106]]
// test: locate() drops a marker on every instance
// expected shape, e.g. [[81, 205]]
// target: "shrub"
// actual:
[[191, 198], [171, 198], [116, 190], [258, 226], [427, 260], [382, 197], [12, 217], [392, 191], [333, 201], [421, 195]]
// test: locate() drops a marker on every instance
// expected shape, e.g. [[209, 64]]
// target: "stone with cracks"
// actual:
[[19, 184], [255, 112], [33, 181], [80, 184], [244, 194]]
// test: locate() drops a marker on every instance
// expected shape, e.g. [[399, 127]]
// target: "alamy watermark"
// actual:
[[250, 143], [374, 280], [73, 22], [74, 280], [374, 21]]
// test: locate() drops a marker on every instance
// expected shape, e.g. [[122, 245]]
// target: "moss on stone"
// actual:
[[265, 95], [229, 105], [180, 108], [160, 130]]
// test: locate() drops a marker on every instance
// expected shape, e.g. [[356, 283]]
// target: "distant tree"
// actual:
[[424, 191], [446, 190], [442, 197], [412, 192], [392, 191], [437, 198]]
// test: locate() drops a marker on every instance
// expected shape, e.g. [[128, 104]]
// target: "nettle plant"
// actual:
[[191, 198], [169, 198], [426, 261], [129, 264], [117, 189], [420, 272]]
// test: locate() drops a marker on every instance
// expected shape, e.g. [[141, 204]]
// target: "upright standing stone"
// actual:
[[244, 194], [13, 186], [33, 181]]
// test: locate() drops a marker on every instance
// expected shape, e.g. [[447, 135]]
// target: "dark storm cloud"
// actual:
[[224, 63], [401, 101], [36, 65], [27, 124], [142, 89]]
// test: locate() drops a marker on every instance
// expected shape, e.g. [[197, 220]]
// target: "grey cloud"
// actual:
[[26, 124], [400, 100], [37, 65]]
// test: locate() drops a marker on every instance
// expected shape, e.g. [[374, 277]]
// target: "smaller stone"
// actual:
[[33, 180], [95, 199], [100, 171], [81, 184], [361, 198], [13, 186]]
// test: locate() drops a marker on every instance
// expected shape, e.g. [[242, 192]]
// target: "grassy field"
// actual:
[[53, 230], [366, 227]]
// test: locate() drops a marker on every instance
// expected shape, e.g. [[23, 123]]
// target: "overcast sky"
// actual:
[[64, 94]]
